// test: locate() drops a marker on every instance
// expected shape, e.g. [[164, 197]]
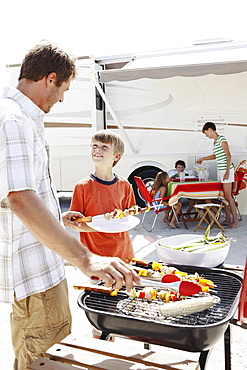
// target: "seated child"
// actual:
[[179, 167], [159, 190]]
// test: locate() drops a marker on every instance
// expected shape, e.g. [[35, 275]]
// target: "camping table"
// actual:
[[97, 354], [194, 190]]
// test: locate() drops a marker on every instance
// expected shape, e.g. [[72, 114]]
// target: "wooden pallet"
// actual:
[[96, 354]]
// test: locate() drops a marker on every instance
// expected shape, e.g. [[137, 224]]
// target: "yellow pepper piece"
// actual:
[[133, 293], [177, 272], [162, 295], [168, 297], [142, 272], [114, 292], [206, 282], [156, 266], [205, 288], [154, 294]]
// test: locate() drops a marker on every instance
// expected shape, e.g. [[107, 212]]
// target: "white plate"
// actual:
[[114, 226]]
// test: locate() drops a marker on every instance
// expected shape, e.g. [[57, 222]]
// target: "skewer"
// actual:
[[89, 218]]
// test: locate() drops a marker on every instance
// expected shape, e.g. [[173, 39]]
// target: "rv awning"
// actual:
[[191, 70]]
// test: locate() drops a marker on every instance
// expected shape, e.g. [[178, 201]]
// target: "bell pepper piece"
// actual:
[[156, 266]]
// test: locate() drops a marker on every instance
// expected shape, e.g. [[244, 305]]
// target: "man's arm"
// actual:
[[30, 209]]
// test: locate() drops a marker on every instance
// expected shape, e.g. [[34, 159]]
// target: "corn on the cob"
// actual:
[[186, 307]]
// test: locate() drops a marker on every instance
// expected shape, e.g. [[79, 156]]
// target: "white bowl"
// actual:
[[178, 257]]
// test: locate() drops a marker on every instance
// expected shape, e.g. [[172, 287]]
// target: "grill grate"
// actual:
[[150, 310], [227, 289]]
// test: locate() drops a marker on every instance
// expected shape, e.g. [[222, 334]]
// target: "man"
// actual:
[[33, 242]]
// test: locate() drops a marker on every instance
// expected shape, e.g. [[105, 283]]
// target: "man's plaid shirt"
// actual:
[[26, 266]]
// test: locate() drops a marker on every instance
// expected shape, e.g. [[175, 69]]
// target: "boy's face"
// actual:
[[208, 133], [102, 153], [180, 168]]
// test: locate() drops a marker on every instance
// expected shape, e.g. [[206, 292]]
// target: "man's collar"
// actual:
[[26, 104]]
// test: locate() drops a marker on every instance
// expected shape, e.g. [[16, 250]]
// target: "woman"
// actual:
[[159, 190], [226, 171]]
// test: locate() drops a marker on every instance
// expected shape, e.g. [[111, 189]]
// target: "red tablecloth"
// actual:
[[194, 190], [187, 179]]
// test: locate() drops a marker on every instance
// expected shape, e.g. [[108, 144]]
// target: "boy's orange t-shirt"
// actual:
[[91, 197]]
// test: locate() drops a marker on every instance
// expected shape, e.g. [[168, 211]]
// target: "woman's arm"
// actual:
[[208, 158]]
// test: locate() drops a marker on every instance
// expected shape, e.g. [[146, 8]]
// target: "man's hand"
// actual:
[[112, 270], [69, 217], [69, 220]]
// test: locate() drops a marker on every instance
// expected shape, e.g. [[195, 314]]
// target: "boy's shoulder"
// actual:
[[122, 178], [85, 180], [222, 138]]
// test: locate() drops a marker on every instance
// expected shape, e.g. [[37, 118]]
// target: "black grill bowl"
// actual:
[[195, 333]]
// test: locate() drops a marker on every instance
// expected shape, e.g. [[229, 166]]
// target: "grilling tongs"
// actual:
[[183, 287]]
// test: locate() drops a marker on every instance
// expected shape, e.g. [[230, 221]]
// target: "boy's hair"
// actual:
[[110, 137], [159, 180], [180, 162], [44, 59], [208, 125]]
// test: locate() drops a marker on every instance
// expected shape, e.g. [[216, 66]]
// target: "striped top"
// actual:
[[220, 154]]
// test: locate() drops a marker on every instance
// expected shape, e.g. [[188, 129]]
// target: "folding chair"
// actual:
[[239, 175], [211, 218], [192, 216], [156, 204]]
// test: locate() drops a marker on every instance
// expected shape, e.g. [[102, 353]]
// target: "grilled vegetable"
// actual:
[[114, 292], [148, 292], [156, 266], [186, 307], [202, 244]]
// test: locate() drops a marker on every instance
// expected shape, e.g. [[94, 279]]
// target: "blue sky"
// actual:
[[96, 27]]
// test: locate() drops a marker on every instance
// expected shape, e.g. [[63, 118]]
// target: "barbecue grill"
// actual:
[[199, 332]]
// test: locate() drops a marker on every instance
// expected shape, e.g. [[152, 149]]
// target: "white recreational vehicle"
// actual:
[[158, 103]]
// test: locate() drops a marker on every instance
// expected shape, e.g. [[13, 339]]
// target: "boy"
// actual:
[[102, 192], [180, 167]]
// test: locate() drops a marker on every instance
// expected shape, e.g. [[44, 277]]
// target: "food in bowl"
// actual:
[[191, 250]]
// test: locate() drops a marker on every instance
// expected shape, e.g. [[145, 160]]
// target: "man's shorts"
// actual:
[[38, 322]]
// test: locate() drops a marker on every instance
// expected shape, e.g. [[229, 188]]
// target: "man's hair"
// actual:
[[44, 59], [180, 162], [110, 137], [208, 125]]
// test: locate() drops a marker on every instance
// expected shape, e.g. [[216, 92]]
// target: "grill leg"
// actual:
[[104, 336], [203, 359], [147, 346], [227, 344]]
